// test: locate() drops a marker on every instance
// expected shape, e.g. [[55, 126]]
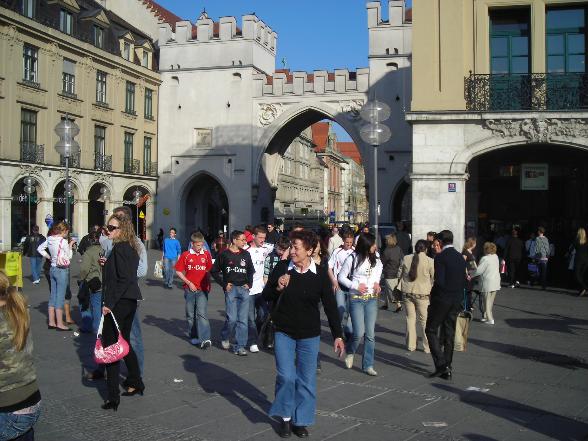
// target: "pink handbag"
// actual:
[[61, 261], [112, 353]]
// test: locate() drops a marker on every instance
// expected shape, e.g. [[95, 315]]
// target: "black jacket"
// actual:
[[450, 279], [297, 313], [31, 244], [235, 268], [391, 260], [514, 249], [119, 279]]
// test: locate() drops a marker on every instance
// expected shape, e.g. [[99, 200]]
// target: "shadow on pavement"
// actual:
[[557, 323], [214, 379], [531, 418]]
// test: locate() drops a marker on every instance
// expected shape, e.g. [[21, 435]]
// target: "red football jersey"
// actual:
[[196, 267]]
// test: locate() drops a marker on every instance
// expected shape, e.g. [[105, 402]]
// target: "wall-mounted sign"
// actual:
[[534, 177], [451, 187], [202, 138]]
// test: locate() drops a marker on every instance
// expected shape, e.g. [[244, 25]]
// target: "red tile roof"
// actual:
[[350, 150], [320, 136], [165, 15], [408, 15]]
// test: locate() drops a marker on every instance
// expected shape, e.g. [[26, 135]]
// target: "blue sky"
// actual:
[[312, 34]]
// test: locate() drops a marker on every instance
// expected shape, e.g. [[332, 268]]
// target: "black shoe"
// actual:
[[110, 405], [398, 308], [95, 375], [300, 431], [447, 375], [439, 371], [136, 390], [285, 429]]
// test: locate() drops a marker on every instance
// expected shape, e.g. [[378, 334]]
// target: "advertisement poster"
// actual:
[[534, 177]]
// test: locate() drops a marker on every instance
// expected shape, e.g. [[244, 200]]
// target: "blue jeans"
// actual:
[[363, 317], [137, 339], [36, 267], [196, 308], [14, 425], [59, 282], [295, 379], [169, 271], [257, 313], [237, 310], [96, 308], [342, 298]]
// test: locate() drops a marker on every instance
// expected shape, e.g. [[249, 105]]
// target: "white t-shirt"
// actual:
[[337, 258], [258, 255], [363, 273]]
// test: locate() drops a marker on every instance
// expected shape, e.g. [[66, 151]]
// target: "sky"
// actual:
[[312, 34]]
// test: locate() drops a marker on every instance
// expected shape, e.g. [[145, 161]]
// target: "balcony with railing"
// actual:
[[103, 162], [74, 161], [132, 166], [150, 169], [32, 153], [526, 92]]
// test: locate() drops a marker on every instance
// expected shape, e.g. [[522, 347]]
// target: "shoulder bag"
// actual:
[[267, 331], [114, 352], [61, 261]]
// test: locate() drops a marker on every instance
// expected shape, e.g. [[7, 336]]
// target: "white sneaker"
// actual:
[[36, 282], [483, 320], [253, 348], [371, 372], [489, 322], [512, 286], [195, 341], [349, 361], [226, 344], [205, 344]]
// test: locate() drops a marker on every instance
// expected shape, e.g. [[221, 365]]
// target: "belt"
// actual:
[[417, 296], [364, 296]]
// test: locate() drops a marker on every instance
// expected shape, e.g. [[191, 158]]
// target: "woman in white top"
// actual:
[[488, 273], [60, 253], [361, 273]]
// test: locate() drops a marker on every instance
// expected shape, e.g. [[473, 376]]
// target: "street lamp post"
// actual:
[[104, 195], [375, 134], [137, 194], [29, 190], [67, 146]]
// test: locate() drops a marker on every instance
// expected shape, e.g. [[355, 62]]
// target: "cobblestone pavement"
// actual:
[[525, 378]]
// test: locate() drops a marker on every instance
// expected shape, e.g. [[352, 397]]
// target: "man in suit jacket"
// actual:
[[446, 297]]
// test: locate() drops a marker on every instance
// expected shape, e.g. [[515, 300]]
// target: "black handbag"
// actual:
[[266, 334]]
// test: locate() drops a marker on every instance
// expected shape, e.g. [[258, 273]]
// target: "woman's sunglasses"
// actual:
[[111, 228]]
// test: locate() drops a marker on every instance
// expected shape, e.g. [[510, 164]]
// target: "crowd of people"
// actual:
[[267, 277]]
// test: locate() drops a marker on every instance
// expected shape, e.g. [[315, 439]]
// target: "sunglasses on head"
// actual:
[[112, 227]]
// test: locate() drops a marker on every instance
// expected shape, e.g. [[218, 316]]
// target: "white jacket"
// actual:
[[488, 272], [363, 274], [53, 243]]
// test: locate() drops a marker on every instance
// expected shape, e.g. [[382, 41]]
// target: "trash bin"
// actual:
[[11, 265]]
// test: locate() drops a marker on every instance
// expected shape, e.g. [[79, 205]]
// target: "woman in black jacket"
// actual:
[[120, 294], [297, 286]]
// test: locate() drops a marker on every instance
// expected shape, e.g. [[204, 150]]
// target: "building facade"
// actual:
[[499, 117], [74, 59], [355, 198]]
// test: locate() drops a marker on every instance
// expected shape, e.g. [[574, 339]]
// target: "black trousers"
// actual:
[[440, 331], [581, 271], [124, 311], [514, 266]]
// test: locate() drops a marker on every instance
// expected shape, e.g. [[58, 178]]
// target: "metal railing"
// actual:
[[32, 153], [74, 160], [150, 169], [535, 92], [132, 166], [103, 162]]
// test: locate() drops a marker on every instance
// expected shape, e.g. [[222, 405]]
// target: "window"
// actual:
[[99, 145], [509, 41], [28, 8], [100, 87], [30, 63], [28, 127], [127, 51], [147, 156], [130, 98], [98, 37], [145, 61], [65, 21], [148, 104], [69, 77], [566, 40], [128, 152]]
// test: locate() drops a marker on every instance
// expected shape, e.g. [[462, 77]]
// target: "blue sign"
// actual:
[[332, 216]]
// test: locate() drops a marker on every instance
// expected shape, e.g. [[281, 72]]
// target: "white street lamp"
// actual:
[[375, 134], [104, 196], [137, 194], [67, 146], [29, 189]]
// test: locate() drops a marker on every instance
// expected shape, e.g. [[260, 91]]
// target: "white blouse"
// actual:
[[364, 273]]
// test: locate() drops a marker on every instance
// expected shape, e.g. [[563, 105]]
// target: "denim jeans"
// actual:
[[542, 264], [169, 271], [257, 313], [91, 316], [197, 315], [59, 282], [14, 425], [342, 298], [237, 311], [36, 267], [295, 379], [137, 339], [363, 316]]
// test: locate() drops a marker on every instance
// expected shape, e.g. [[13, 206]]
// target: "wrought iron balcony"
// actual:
[[32, 153], [132, 166], [534, 92], [103, 162], [150, 169], [74, 161]]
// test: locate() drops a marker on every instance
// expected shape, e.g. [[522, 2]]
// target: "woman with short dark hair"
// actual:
[[297, 286], [488, 283]]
